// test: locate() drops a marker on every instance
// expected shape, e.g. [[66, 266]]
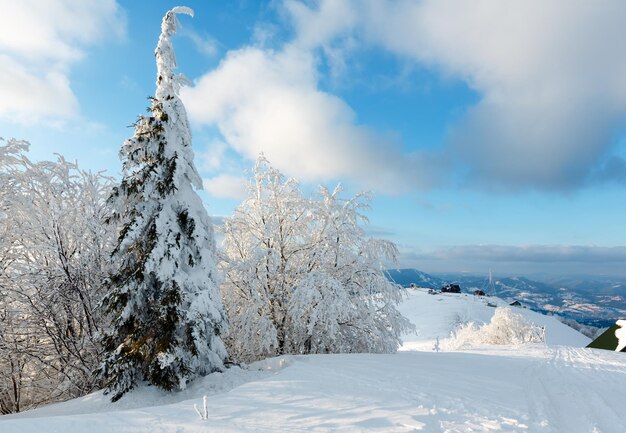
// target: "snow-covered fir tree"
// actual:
[[167, 315], [303, 277]]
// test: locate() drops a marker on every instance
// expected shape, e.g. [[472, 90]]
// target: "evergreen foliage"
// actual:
[[167, 316]]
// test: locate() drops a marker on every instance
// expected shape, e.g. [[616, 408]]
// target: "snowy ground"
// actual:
[[437, 315], [534, 388]]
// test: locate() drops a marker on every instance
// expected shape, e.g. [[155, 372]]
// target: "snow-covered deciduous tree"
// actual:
[[54, 247], [264, 243], [167, 315], [349, 304], [301, 276]]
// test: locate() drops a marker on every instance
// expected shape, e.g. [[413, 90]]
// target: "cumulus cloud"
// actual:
[[212, 158], [549, 75], [204, 43], [25, 94], [39, 41], [269, 101], [226, 186]]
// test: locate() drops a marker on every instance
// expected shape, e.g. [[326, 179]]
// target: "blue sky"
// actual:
[[492, 134]]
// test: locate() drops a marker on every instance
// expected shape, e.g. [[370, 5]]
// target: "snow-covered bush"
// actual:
[[54, 248], [301, 276], [505, 327]]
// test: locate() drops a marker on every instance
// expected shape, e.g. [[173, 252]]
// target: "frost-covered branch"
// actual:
[[302, 276], [54, 244]]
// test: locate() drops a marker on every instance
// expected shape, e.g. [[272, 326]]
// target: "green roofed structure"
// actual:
[[613, 338]]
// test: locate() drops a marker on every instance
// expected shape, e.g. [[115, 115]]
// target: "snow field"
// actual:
[[438, 315], [550, 388]]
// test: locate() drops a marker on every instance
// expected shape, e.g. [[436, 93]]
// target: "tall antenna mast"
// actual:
[[492, 287]]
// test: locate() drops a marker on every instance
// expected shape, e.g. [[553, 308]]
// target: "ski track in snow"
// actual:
[[562, 399], [534, 388]]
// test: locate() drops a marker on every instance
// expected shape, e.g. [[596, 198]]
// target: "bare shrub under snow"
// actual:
[[204, 414], [506, 327]]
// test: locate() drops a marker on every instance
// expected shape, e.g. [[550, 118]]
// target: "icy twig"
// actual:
[[205, 413]]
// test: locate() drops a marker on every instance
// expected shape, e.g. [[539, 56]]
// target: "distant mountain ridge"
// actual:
[[408, 277], [597, 302]]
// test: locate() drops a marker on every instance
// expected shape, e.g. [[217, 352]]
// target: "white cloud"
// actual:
[[268, 101], [25, 94], [205, 44], [550, 75], [212, 158], [39, 41], [226, 186], [317, 28]]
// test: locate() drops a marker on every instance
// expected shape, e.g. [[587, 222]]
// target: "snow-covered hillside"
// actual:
[[558, 387], [438, 315]]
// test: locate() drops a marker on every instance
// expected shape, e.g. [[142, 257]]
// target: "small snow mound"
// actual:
[[271, 364]]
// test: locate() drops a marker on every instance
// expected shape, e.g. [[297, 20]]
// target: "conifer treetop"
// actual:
[[168, 83]]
